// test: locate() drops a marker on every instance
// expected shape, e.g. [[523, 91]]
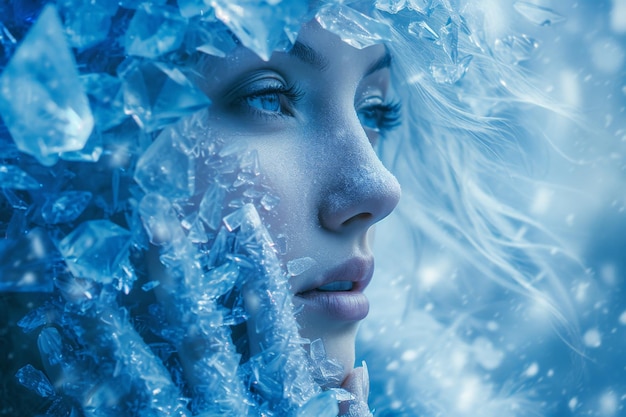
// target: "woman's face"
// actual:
[[314, 115]]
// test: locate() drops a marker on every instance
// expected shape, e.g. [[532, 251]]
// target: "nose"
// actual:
[[361, 191]]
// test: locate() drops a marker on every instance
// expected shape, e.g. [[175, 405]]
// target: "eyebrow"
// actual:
[[310, 56]]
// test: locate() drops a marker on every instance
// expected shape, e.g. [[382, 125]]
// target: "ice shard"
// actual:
[[41, 101], [262, 26], [35, 380], [168, 166], [95, 250], [154, 31], [156, 94], [15, 178], [87, 22], [353, 27], [65, 207], [539, 15]]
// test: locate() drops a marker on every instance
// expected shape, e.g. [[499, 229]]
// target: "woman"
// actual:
[[216, 248]]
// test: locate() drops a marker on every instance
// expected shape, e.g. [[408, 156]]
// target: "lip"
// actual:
[[350, 305]]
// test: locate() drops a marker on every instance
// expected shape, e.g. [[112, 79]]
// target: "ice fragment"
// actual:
[[95, 250], [65, 207], [262, 26], [423, 30], [298, 266], [35, 380], [14, 178], [41, 101], [353, 27], [390, 6], [106, 99], [322, 405], [445, 73], [539, 15], [167, 166], [592, 338], [515, 49], [87, 22], [210, 210], [154, 31], [449, 38], [157, 94]]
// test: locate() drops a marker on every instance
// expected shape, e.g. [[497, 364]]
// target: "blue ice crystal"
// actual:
[[157, 94], [262, 25], [539, 15], [15, 178], [35, 380], [154, 31], [95, 250], [168, 166], [65, 207], [86, 22], [353, 27], [41, 100]]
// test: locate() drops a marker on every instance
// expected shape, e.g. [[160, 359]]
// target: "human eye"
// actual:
[[379, 116], [267, 96]]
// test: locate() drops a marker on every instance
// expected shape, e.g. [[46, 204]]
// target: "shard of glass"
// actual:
[[41, 100], [156, 94], [154, 31], [353, 27], [65, 207], [14, 178], [539, 15], [390, 6], [95, 250]]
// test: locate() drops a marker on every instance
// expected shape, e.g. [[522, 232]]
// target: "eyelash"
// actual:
[[386, 116], [287, 96]]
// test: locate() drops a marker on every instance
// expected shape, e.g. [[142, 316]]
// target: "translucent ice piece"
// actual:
[[154, 31], [539, 15], [167, 167], [210, 210], [450, 73], [106, 99], [353, 27], [515, 49], [35, 380], [298, 266], [41, 100], [262, 26], [423, 30], [422, 6], [322, 405], [25, 264], [87, 22], [91, 152], [95, 250], [390, 6], [449, 38], [190, 8], [156, 94], [14, 178], [65, 207]]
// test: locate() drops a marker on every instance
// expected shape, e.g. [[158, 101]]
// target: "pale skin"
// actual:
[[314, 116]]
